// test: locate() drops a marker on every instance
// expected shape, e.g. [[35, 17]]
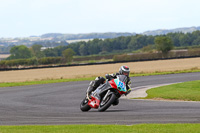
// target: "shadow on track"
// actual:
[[110, 111]]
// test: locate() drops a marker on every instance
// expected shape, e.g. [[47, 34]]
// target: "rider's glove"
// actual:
[[107, 76], [129, 90], [110, 76]]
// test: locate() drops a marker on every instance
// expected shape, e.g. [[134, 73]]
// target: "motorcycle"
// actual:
[[105, 95]]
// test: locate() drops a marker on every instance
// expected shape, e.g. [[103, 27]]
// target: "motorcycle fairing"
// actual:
[[112, 83], [101, 89], [94, 102], [119, 85], [95, 97]]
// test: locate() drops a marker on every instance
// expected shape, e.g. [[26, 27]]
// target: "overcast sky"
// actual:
[[23, 18]]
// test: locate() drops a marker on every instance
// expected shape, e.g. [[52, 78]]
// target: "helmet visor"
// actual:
[[125, 73]]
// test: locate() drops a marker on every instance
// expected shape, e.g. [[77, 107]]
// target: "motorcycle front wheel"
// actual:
[[105, 104], [84, 105]]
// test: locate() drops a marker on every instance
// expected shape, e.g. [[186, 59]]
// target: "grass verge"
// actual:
[[11, 84], [164, 73], [140, 128], [187, 91]]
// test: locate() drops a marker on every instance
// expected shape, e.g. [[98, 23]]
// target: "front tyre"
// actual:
[[105, 104], [84, 105]]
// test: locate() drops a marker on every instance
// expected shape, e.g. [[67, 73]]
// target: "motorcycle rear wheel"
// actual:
[[84, 105], [104, 105]]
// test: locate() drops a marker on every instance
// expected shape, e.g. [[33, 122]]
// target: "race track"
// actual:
[[59, 104]]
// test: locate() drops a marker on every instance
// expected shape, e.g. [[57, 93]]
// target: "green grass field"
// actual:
[[187, 91], [140, 128]]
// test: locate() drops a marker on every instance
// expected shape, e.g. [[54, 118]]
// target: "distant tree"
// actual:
[[83, 50], [36, 50], [185, 39], [50, 52], [106, 46], [59, 49], [75, 47], [20, 52], [94, 46], [122, 42], [68, 54], [164, 44], [175, 38], [196, 41], [139, 41], [132, 43], [149, 48]]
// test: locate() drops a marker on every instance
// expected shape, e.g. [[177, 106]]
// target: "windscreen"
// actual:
[[121, 82], [122, 78]]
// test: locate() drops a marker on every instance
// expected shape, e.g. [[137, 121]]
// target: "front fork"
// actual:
[[104, 98]]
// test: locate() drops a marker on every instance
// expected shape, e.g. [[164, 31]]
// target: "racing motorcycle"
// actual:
[[105, 95]]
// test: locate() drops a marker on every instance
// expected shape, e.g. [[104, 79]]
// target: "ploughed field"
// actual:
[[98, 70]]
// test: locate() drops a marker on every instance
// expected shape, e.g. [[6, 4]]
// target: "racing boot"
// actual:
[[94, 84], [90, 87]]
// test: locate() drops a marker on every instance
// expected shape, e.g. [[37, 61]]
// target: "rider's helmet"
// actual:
[[124, 70]]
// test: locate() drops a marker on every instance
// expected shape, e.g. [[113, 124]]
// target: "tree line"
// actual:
[[26, 56], [105, 46], [126, 44]]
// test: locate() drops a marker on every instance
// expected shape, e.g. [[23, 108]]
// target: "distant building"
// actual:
[[43, 48]]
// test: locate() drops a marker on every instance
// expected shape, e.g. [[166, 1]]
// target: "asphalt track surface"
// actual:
[[59, 104]]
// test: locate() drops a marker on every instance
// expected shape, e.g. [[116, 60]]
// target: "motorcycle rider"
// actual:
[[123, 70]]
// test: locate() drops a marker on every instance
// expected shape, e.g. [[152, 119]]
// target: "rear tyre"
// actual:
[[84, 105], [107, 102]]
